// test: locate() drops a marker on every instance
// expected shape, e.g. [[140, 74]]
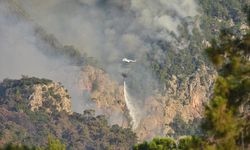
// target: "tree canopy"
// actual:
[[227, 115]]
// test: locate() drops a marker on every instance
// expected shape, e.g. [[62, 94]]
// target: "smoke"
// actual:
[[111, 29], [107, 30], [21, 55]]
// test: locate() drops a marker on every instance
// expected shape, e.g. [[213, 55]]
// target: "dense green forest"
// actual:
[[53, 144]]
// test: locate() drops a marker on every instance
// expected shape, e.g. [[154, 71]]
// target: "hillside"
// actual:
[[32, 108], [81, 44]]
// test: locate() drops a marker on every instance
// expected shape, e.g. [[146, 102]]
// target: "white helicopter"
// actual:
[[126, 64], [128, 60]]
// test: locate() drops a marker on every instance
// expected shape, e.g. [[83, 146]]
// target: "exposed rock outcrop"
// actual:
[[36, 94], [53, 94], [158, 111], [186, 99], [106, 93]]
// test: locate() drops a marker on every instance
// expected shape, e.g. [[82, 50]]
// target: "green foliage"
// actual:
[[95, 86], [220, 14], [190, 143], [17, 147], [222, 9], [157, 144], [15, 93], [247, 11], [21, 84], [227, 113], [55, 144], [182, 128], [184, 143], [38, 116], [33, 80], [79, 131]]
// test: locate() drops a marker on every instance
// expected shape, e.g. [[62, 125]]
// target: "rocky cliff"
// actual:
[[35, 94], [158, 112], [52, 94], [106, 93], [185, 100]]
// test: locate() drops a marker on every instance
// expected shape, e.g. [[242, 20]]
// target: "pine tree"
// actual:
[[55, 144], [227, 116]]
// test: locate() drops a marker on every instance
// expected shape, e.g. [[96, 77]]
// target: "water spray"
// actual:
[[131, 107]]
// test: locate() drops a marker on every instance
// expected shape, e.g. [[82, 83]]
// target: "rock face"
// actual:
[[186, 99], [37, 94], [106, 93], [158, 111], [52, 94]]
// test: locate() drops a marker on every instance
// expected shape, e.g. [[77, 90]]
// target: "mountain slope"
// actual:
[[32, 108], [177, 62]]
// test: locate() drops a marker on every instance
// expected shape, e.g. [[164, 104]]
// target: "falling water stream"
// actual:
[[132, 110]]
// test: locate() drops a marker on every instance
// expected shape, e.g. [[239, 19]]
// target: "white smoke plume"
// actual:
[[107, 30], [111, 29]]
